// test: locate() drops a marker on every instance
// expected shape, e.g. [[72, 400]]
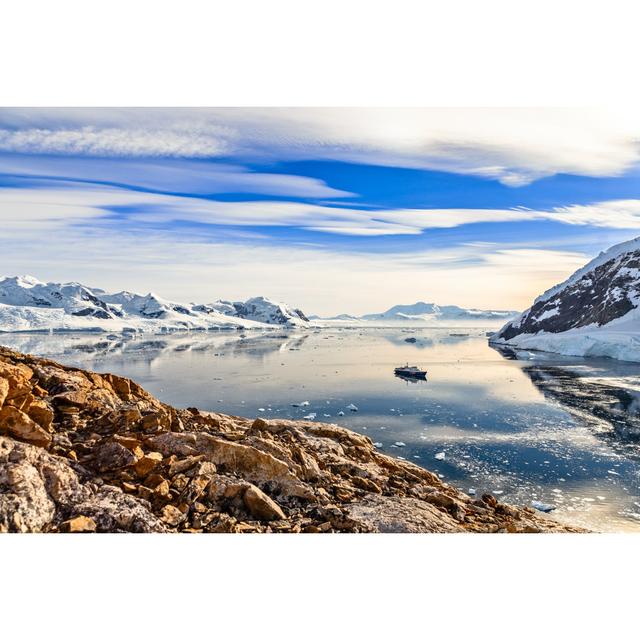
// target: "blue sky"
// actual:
[[332, 210]]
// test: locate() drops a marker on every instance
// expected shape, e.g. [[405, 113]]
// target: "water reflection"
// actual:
[[603, 395], [521, 425]]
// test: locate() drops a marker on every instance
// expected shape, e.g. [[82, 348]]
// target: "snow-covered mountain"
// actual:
[[26, 304], [424, 312], [429, 311], [595, 312], [259, 309]]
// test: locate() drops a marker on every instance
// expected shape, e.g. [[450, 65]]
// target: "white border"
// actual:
[[281, 52]]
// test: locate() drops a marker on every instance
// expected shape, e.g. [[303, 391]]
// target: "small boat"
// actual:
[[410, 372]]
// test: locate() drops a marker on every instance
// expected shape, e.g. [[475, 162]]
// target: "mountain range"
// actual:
[[26, 304], [425, 312]]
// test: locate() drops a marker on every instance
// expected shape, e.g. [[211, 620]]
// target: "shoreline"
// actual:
[[81, 451]]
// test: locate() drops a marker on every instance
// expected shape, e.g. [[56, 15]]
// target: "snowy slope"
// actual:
[[26, 304], [259, 309], [595, 312]]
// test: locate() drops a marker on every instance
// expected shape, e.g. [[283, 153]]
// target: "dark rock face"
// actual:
[[96, 313], [601, 295]]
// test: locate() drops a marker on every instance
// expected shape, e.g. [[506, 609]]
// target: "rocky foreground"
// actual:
[[84, 452]]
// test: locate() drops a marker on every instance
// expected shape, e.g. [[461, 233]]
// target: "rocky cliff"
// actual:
[[84, 452], [595, 312]]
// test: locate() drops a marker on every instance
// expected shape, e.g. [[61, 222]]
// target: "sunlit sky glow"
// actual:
[[331, 210]]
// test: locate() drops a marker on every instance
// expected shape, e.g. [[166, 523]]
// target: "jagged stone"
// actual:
[[17, 424], [79, 524], [147, 463], [261, 505], [112, 455]]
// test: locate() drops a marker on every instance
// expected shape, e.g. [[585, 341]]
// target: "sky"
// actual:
[[333, 210]]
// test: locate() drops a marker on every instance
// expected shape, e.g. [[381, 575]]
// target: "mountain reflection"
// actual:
[[80, 347], [600, 394]]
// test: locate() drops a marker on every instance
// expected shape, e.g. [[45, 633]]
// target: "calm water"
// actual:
[[557, 430]]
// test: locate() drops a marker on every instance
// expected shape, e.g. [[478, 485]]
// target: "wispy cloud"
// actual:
[[514, 146], [73, 202], [317, 279], [169, 175]]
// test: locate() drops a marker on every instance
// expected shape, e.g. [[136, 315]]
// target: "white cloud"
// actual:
[[184, 176], [318, 280], [64, 234], [73, 202], [513, 145], [615, 214], [122, 141]]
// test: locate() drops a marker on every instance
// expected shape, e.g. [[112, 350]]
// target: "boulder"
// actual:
[[79, 524], [112, 455], [260, 505], [148, 463], [17, 424]]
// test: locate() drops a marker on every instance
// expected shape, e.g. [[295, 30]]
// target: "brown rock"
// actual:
[[487, 498], [112, 455], [180, 466], [148, 463], [153, 480], [79, 524], [4, 390], [130, 417], [19, 425], [162, 489], [40, 412], [127, 441], [120, 385], [172, 516], [75, 398], [260, 505]]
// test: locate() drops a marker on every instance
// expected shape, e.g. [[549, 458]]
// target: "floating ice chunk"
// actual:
[[440, 456], [400, 458], [471, 491], [498, 492], [377, 445], [309, 416], [352, 407], [400, 444], [326, 415], [261, 409], [301, 404], [613, 473], [340, 413], [542, 506]]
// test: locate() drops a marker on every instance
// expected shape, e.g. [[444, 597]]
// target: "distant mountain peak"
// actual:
[[430, 311]]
